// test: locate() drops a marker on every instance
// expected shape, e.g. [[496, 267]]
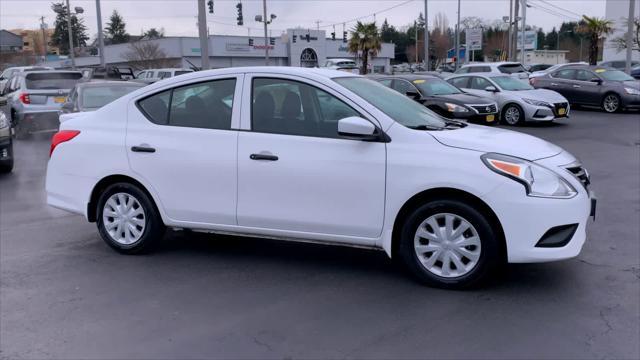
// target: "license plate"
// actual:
[[491, 118], [60, 99], [562, 111]]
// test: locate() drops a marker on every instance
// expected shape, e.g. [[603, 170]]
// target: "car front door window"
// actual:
[[479, 83], [403, 86]]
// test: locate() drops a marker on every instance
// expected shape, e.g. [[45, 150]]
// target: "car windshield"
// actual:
[[613, 75], [94, 97], [52, 80], [434, 87], [397, 106], [509, 83], [511, 68]]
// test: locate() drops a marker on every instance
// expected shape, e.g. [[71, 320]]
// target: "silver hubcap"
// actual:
[[611, 103], [512, 115], [447, 245], [123, 218]]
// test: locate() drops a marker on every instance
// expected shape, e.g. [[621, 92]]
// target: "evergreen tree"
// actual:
[[60, 37], [115, 31], [153, 33]]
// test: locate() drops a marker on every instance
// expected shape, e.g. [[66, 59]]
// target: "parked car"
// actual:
[[518, 101], [35, 98], [443, 98], [9, 72], [635, 72], [553, 68], [6, 145], [537, 67], [514, 69], [608, 88], [619, 64], [323, 156], [90, 96], [152, 75], [441, 75], [347, 65]]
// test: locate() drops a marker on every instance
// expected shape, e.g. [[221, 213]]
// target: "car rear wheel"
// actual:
[[6, 166], [449, 244], [513, 115], [611, 103], [127, 219]]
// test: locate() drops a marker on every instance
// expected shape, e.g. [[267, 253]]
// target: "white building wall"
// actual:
[[618, 12]]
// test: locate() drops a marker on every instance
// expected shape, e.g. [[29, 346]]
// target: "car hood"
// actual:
[[465, 98], [540, 94], [490, 139]]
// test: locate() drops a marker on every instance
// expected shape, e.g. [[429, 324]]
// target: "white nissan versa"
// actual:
[[324, 156]]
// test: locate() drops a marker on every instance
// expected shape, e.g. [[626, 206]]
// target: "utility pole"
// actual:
[[318, 24], [73, 56], [458, 38], [524, 25], [43, 26], [415, 24], [266, 43], [100, 34], [426, 37], [514, 40], [204, 39], [629, 39], [510, 27]]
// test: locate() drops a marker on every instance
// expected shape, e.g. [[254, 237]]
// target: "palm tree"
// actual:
[[595, 29], [365, 40]]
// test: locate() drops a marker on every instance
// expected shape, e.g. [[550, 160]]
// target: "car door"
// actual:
[[295, 173], [584, 90], [461, 82], [182, 142], [562, 82]]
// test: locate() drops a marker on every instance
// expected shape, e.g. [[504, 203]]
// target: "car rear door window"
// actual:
[[461, 82], [567, 74], [385, 82], [403, 86], [156, 107], [203, 105], [290, 107], [585, 75]]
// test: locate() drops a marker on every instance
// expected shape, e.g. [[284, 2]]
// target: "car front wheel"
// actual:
[[449, 244], [513, 115], [611, 103], [127, 219]]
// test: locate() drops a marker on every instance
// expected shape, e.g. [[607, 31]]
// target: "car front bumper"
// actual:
[[544, 113], [631, 101], [527, 221]]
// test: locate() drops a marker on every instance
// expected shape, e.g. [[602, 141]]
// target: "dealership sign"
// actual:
[[237, 47], [474, 39], [530, 42]]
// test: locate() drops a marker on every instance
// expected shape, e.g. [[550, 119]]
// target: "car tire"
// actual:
[[611, 103], [128, 220], [427, 253], [512, 114], [6, 167]]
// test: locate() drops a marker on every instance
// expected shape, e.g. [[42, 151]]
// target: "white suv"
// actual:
[[513, 69], [323, 156]]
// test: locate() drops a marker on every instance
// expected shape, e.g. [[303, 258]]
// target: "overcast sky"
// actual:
[[178, 17]]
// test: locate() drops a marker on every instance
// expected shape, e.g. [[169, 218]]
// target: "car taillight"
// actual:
[[24, 98], [532, 81], [60, 137]]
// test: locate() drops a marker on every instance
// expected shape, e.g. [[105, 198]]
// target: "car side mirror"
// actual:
[[491, 88], [357, 128], [414, 95], [67, 107], [596, 80]]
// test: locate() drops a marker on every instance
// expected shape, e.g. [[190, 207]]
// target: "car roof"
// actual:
[[51, 72], [410, 77], [341, 59], [498, 63], [96, 83]]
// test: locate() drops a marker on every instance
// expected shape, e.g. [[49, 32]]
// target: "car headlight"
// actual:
[[537, 180], [536, 102], [632, 91], [455, 108], [4, 122]]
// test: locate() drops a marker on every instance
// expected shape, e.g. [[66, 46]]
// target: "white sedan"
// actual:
[[518, 101], [322, 156]]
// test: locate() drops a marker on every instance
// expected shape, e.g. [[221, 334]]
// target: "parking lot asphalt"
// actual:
[[64, 294]]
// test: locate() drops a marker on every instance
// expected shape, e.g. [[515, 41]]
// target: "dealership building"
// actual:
[[295, 47]]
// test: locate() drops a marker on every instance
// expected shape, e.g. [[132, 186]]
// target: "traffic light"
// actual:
[[239, 18], [272, 41], [250, 42], [344, 36], [333, 35], [210, 4], [295, 37]]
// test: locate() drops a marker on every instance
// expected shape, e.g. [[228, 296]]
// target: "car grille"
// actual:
[[558, 106], [485, 109], [580, 173]]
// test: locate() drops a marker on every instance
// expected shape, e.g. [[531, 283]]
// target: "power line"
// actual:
[[552, 12], [560, 8], [368, 15]]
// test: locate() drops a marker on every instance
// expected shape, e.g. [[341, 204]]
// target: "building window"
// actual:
[[308, 58]]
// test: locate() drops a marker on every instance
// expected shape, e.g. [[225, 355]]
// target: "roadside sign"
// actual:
[[473, 38]]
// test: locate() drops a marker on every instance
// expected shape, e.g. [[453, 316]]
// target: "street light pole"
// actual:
[[458, 38], [629, 38], [204, 38], [100, 34], [43, 26], [509, 32], [524, 25], [266, 43], [73, 56], [426, 36]]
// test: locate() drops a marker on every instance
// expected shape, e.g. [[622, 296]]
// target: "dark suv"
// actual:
[[608, 88]]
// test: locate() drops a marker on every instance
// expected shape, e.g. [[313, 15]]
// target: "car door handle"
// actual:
[[576, 86], [263, 157], [145, 149], [554, 84]]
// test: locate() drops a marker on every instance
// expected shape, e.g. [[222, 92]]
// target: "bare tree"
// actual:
[[147, 55], [441, 22]]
